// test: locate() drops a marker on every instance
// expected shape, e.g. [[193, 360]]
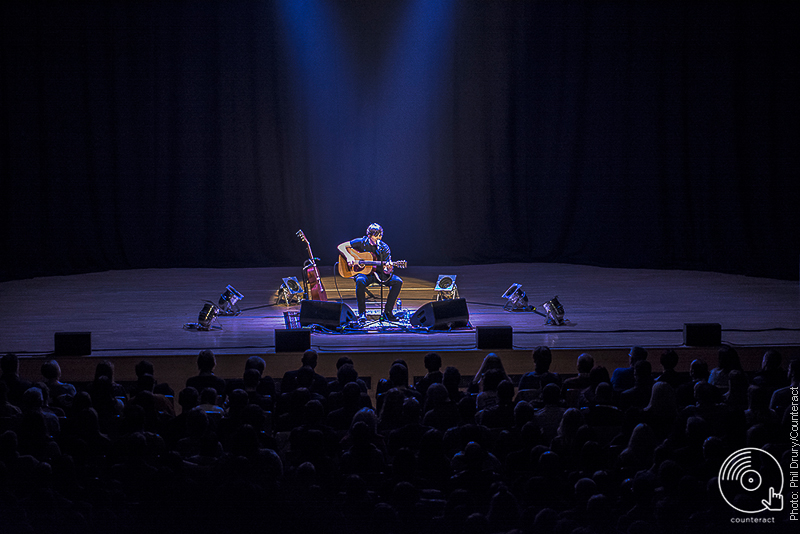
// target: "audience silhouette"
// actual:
[[642, 459]]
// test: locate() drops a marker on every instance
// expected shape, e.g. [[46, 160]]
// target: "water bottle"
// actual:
[[399, 305]]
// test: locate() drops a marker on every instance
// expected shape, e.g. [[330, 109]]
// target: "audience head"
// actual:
[[45, 392], [551, 394], [451, 378], [313, 412], [662, 400], [251, 378], [698, 370], [412, 410], [524, 412], [238, 400], [144, 367], [398, 375], [728, 358], [367, 416], [206, 361], [437, 394], [196, 422], [208, 396], [146, 382], [9, 364], [772, 360], [82, 401], [305, 376], [257, 363], [505, 391], [598, 375], [713, 448], [351, 394], [104, 369], [585, 363], [392, 404], [542, 358], [346, 374], [697, 430], [32, 399], [504, 510], [310, 358], [188, 398], [401, 361], [794, 371], [637, 354], [642, 372], [570, 422], [737, 382], [604, 393], [704, 393], [758, 398], [361, 433], [344, 360], [492, 379], [493, 361], [585, 488], [433, 362], [669, 360], [51, 370]]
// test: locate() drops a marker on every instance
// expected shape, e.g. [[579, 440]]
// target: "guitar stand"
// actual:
[[309, 263]]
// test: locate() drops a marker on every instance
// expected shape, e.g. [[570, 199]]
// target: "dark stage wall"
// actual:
[[629, 134]]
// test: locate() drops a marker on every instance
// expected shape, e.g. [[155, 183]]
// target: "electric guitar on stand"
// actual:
[[366, 264], [315, 289]]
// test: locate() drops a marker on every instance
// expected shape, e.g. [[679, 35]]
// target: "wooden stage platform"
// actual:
[[141, 314]]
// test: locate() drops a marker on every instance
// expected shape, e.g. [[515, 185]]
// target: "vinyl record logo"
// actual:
[[751, 481]]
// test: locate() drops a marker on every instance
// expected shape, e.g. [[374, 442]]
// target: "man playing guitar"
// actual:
[[373, 244]]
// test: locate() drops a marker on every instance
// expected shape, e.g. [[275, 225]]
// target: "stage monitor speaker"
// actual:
[[495, 337], [73, 343], [702, 334], [442, 314], [325, 313], [296, 340]]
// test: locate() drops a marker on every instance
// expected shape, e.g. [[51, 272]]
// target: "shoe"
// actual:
[[362, 318], [388, 316]]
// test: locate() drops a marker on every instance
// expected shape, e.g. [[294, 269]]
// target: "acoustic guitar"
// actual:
[[315, 288], [366, 264]]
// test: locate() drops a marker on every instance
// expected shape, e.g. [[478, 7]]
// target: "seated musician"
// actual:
[[372, 243]]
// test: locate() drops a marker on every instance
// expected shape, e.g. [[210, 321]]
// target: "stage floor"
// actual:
[[143, 312]]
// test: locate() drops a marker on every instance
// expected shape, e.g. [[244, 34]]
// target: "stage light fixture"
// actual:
[[555, 311], [228, 300], [516, 299], [290, 291], [446, 288], [207, 316]]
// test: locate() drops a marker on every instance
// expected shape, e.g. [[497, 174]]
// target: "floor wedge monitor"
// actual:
[[442, 314], [325, 313]]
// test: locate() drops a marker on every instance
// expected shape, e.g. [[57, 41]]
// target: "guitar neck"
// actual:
[[303, 238]]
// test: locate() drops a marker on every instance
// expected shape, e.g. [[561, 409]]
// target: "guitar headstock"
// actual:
[[402, 264], [302, 236]]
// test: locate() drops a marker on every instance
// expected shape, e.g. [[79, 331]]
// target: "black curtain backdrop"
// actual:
[[205, 134]]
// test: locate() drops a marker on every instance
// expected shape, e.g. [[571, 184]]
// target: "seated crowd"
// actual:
[[623, 452]]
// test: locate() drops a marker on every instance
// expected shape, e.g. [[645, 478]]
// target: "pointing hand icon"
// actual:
[[775, 501]]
